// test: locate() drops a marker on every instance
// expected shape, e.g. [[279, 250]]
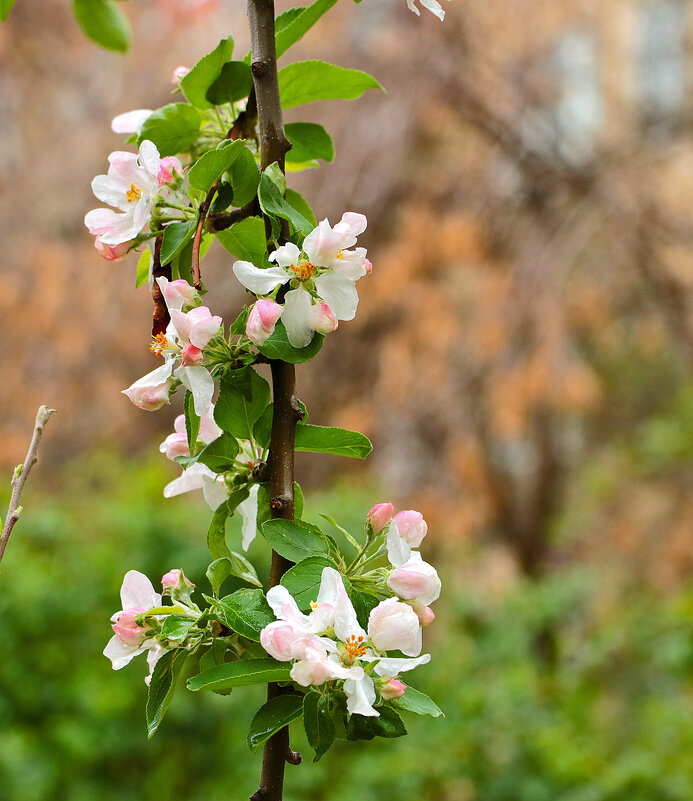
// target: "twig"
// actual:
[[161, 317], [204, 208], [21, 473]]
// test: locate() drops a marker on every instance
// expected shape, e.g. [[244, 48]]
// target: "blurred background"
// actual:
[[522, 360]]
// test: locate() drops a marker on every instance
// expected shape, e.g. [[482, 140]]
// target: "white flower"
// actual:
[[199, 476], [325, 267], [176, 444], [130, 122], [431, 5]]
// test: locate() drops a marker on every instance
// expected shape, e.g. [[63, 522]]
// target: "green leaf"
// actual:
[[273, 716], [308, 81], [273, 203], [219, 455], [419, 703], [298, 24], [214, 655], [243, 396], [247, 613], [143, 265], [233, 565], [216, 536], [301, 205], [101, 21], [278, 347], [5, 8], [298, 500], [303, 579], [294, 540], [389, 724], [318, 723], [243, 177], [192, 420], [176, 627], [234, 83], [209, 167], [363, 603], [176, 237], [326, 439], [246, 240], [240, 674], [199, 80], [310, 141], [263, 428], [173, 128], [162, 687]]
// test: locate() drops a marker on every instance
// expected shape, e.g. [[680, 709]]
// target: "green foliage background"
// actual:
[[611, 721]]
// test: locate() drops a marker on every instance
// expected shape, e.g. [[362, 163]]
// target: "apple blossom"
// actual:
[[199, 476], [425, 614], [430, 5], [323, 320], [176, 444], [130, 122], [168, 168], [325, 267], [153, 390], [415, 580], [379, 516], [175, 579], [178, 74], [392, 689], [411, 527], [368, 266], [112, 252], [393, 624], [178, 294], [262, 320]]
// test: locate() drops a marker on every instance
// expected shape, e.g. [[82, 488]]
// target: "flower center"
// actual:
[[313, 605], [354, 648], [133, 193], [302, 270], [159, 344]]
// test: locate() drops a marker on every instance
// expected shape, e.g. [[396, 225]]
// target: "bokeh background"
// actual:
[[522, 360]]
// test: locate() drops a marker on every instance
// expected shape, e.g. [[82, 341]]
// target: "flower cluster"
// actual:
[[191, 328], [321, 278], [142, 603], [329, 644]]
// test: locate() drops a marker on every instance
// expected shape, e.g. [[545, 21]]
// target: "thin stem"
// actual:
[[20, 476]]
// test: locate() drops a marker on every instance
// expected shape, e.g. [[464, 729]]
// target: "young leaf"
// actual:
[[246, 240], [101, 21], [219, 455], [273, 203], [273, 716], [326, 439], [173, 128], [303, 579], [278, 347], [318, 723], [263, 429], [209, 167], [176, 627], [162, 687], [216, 536], [233, 565], [5, 8], [243, 396], [298, 500], [176, 237], [310, 141], [294, 540], [243, 176], [143, 267], [246, 612], [234, 83], [293, 198], [419, 703], [240, 674], [198, 81], [192, 420], [293, 29], [389, 724], [308, 81], [363, 603]]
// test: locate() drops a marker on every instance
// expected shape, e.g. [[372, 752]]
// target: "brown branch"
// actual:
[[20, 476], [222, 220], [161, 317], [204, 208]]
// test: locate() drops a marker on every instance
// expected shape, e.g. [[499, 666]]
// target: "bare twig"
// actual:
[[20, 476], [161, 317]]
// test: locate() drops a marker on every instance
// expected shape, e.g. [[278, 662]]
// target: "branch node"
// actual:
[[259, 67], [260, 472], [293, 757], [299, 411], [278, 504]]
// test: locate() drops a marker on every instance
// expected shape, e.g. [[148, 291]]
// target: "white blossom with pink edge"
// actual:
[[325, 266], [131, 122], [329, 644], [262, 321], [178, 294], [430, 5], [153, 390], [176, 444], [137, 595]]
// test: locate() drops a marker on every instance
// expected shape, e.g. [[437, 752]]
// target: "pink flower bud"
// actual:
[[175, 445], [368, 267], [283, 642], [415, 579], [175, 579], [425, 614], [112, 252], [392, 689], [323, 320], [379, 516], [393, 625], [190, 355], [178, 294], [151, 391], [262, 320], [411, 526], [178, 74], [125, 628], [166, 167]]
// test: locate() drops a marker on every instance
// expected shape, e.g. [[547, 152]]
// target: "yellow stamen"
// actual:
[[354, 647], [133, 193], [159, 344], [313, 605], [304, 269]]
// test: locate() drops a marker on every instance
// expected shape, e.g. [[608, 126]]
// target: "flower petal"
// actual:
[[340, 293], [119, 653], [137, 591], [261, 282], [131, 121], [200, 383], [361, 696], [298, 317], [248, 511], [286, 255]]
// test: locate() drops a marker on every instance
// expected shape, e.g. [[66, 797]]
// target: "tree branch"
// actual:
[[161, 317], [20, 476]]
